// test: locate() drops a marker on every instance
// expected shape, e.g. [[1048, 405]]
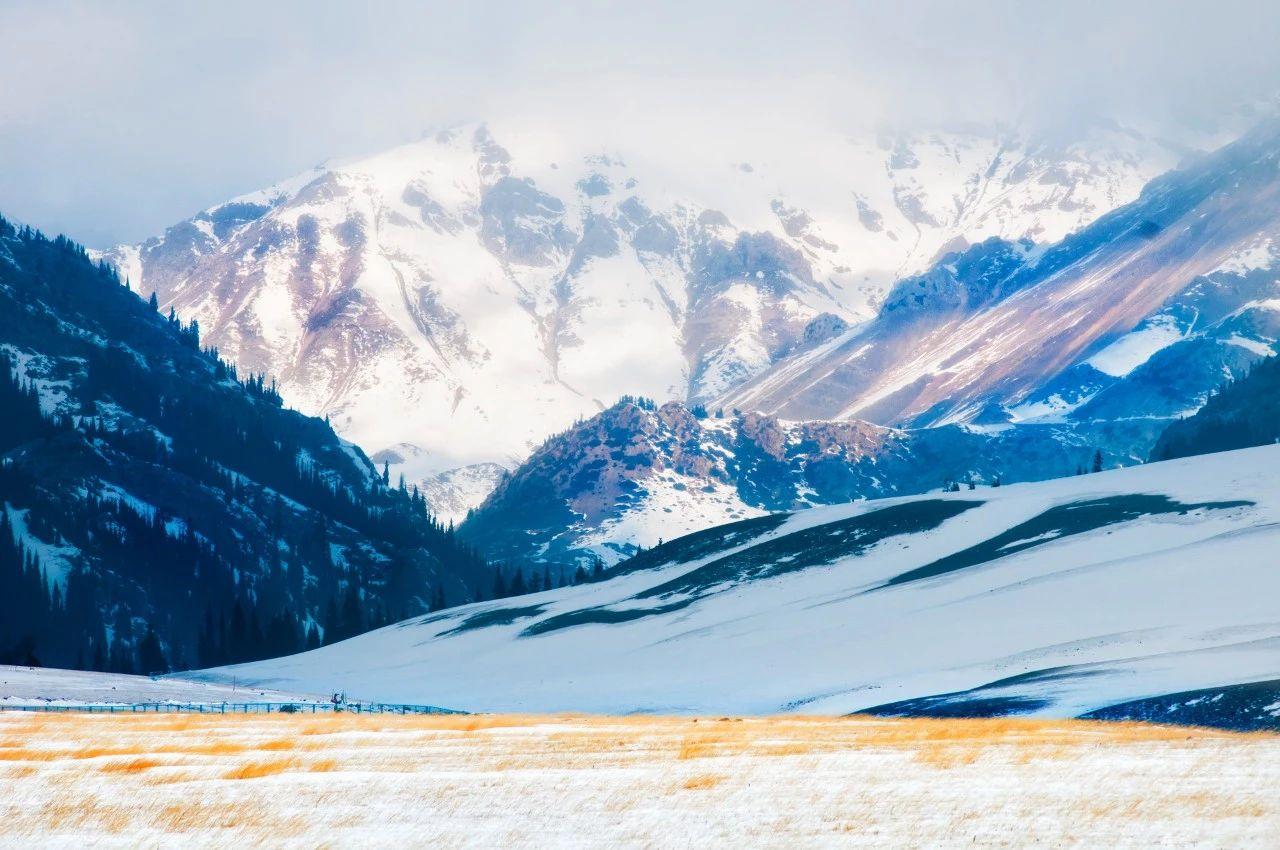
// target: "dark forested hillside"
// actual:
[[158, 511], [1243, 413]]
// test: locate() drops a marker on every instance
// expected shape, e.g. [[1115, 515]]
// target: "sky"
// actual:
[[120, 118]]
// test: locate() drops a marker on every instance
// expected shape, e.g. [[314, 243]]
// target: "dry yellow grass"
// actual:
[[702, 781], [278, 744], [256, 769], [130, 766], [194, 779]]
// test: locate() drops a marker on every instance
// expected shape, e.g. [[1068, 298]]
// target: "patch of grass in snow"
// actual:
[[278, 744], [257, 769], [137, 765], [702, 781]]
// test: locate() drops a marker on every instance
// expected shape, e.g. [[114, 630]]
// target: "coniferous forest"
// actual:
[[1244, 412], [162, 512]]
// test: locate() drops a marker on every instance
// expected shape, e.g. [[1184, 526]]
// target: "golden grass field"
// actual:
[[485, 780]]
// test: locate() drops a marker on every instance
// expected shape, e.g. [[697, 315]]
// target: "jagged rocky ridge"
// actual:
[[157, 511], [639, 473]]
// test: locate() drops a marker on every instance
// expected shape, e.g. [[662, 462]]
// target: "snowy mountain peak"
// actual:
[[474, 291]]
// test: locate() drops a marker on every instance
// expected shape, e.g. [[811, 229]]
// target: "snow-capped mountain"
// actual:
[[637, 474], [1056, 598], [452, 302], [1142, 313], [1040, 352]]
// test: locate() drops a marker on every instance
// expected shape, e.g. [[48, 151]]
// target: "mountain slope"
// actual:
[[637, 474], [455, 301], [1243, 413], [1179, 284], [1055, 598], [155, 510]]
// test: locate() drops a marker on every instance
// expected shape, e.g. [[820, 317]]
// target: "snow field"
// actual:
[[527, 781], [21, 686], [1156, 604]]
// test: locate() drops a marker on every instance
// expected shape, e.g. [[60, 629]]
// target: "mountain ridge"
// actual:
[[639, 473], [490, 286]]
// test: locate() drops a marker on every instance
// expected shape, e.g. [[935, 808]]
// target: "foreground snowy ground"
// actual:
[[1054, 599], [346, 781], [44, 686]]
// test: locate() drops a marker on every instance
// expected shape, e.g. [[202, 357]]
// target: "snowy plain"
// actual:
[[347, 781]]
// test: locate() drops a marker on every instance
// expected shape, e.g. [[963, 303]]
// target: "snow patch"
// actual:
[[1137, 347]]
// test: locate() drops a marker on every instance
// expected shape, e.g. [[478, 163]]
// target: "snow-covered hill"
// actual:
[[455, 301], [1053, 598]]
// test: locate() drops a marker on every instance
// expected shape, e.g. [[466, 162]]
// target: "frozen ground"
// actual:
[[344, 781], [1052, 599], [43, 686]]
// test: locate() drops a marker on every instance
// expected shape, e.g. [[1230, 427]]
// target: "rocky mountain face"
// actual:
[[1142, 313], [453, 302], [637, 473], [1101, 340], [157, 509]]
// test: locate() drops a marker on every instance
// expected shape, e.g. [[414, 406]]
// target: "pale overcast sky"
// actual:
[[118, 118]]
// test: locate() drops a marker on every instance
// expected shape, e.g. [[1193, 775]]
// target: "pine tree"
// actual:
[[151, 660], [1097, 461], [437, 598]]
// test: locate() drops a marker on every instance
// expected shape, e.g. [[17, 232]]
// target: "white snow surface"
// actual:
[[1157, 604], [21, 686], [1137, 347], [453, 493], [1258, 255]]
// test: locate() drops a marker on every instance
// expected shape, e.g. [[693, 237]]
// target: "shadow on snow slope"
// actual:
[[1056, 523], [815, 546], [1247, 708], [810, 547]]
